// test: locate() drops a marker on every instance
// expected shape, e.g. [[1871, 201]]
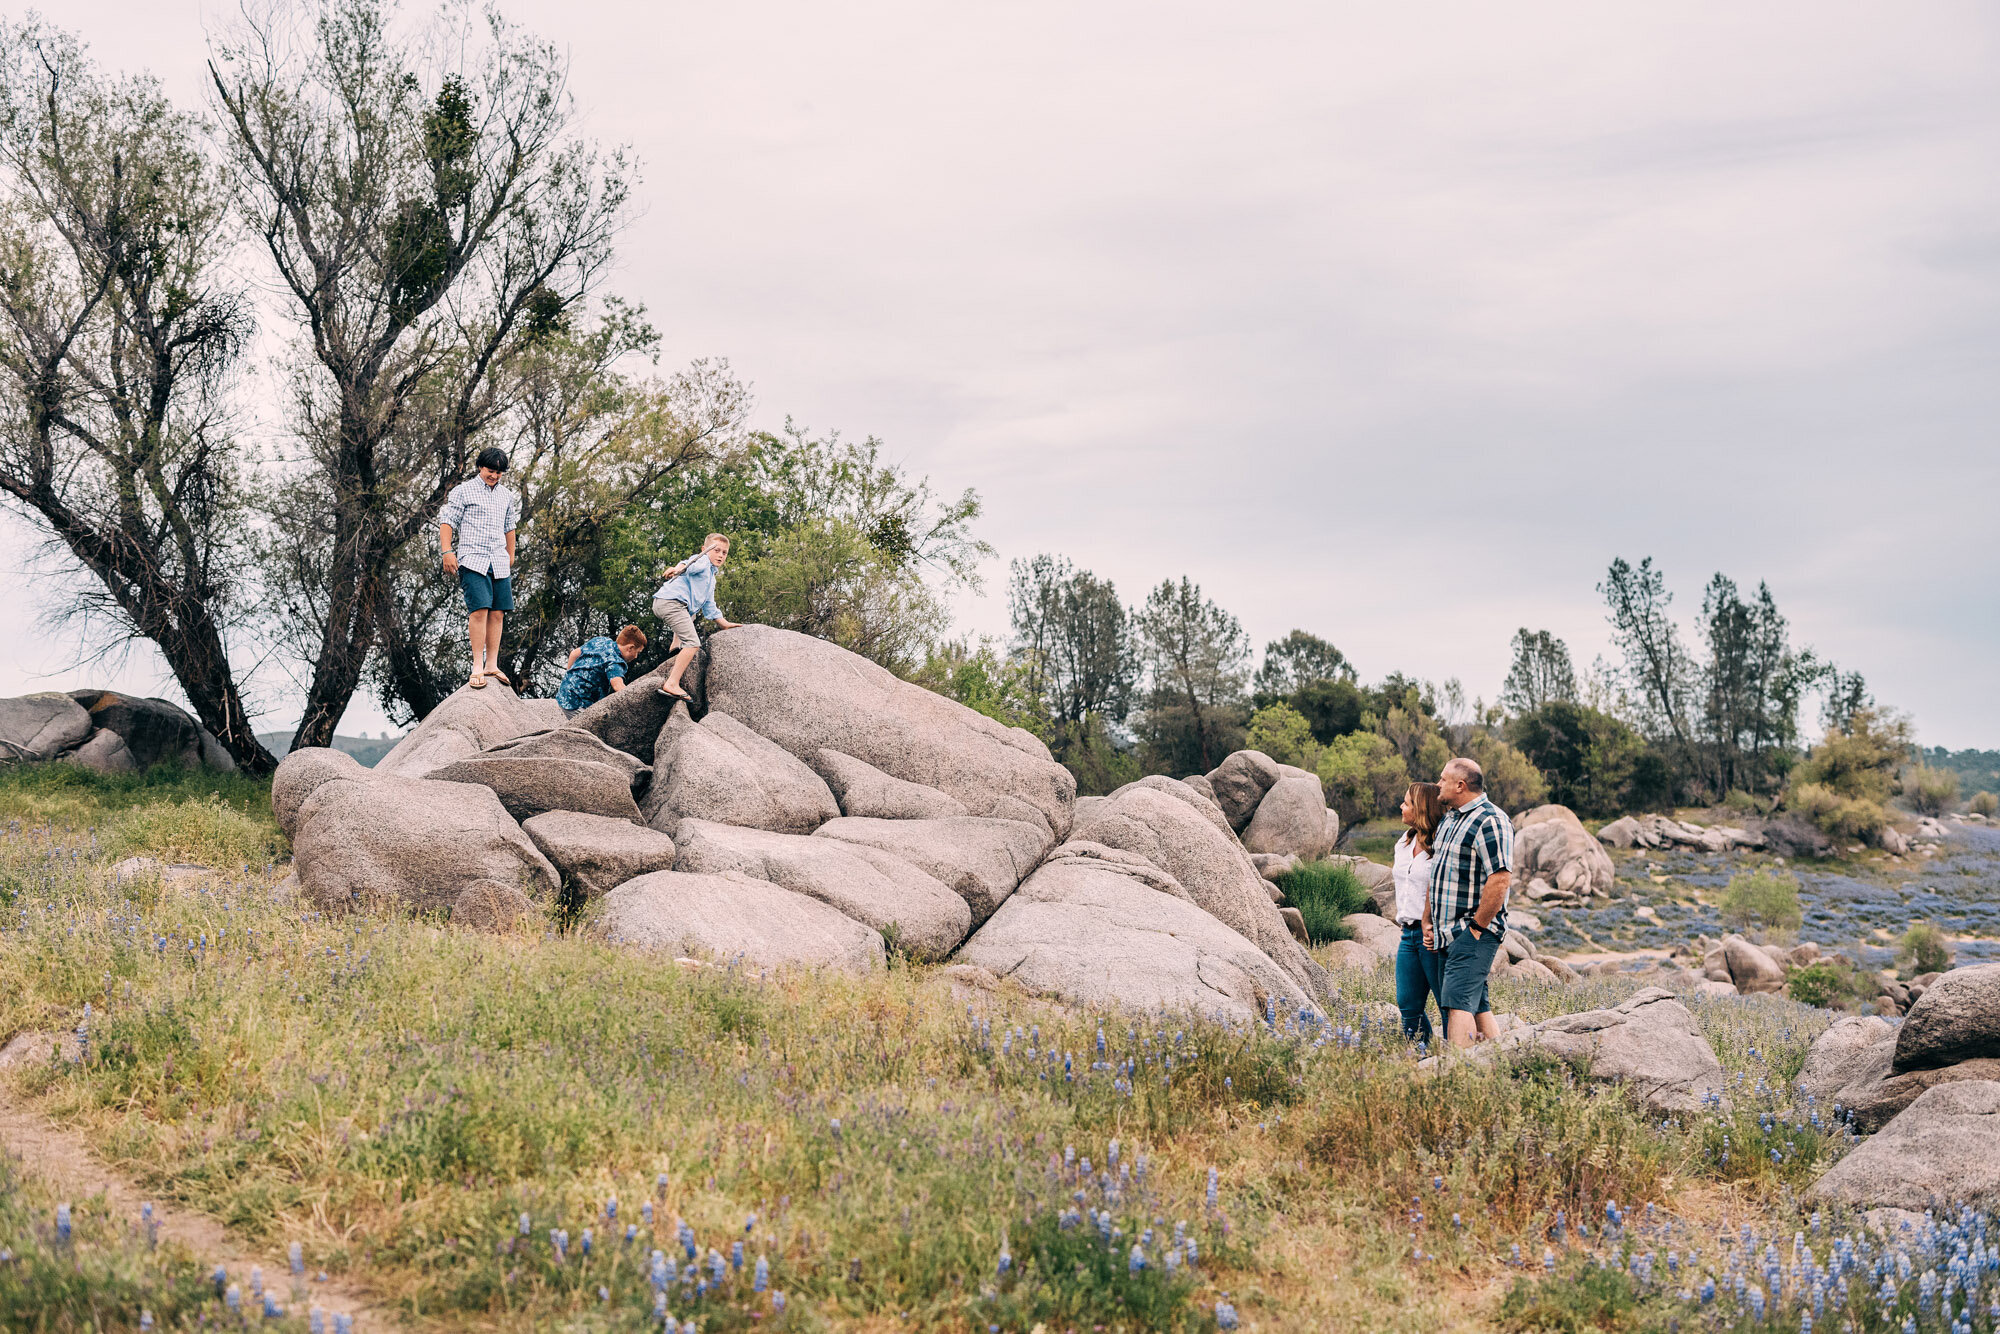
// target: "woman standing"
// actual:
[[1419, 968]]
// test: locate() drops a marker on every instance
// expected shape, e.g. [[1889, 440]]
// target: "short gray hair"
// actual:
[[1468, 769]]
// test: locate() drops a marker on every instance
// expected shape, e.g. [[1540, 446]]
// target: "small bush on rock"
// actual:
[[1924, 949], [1930, 791], [1831, 984], [1762, 900], [1838, 816], [1324, 892], [1984, 803]]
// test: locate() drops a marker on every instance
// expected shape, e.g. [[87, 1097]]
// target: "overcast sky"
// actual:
[[1394, 323]]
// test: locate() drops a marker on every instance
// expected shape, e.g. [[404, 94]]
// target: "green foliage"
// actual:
[[1832, 984], [1541, 675], [1587, 756], [205, 832], [1363, 776], [1977, 770], [1282, 732], [70, 796], [982, 681], [1073, 639], [1196, 658], [1324, 892], [1594, 1298], [1331, 708], [1297, 661], [1930, 791], [1984, 803], [1763, 901], [1838, 816], [1513, 783], [1858, 761], [1924, 949]]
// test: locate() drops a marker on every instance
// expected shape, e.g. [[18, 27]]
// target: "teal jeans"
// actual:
[[1419, 974]]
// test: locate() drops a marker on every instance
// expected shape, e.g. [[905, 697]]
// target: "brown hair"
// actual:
[[632, 636], [1428, 807]]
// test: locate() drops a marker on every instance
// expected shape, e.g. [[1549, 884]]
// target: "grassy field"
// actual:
[[502, 1132]]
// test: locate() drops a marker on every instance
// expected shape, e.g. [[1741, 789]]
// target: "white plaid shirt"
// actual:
[[481, 516]]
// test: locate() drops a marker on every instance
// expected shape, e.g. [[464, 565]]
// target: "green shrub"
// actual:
[[1364, 776], [1984, 803], [1324, 892], [1924, 949], [1596, 1298], [1861, 760], [1283, 733], [1836, 815], [1831, 984], [200, 830], [1930, 791], [1741, 802], [1762, 900]]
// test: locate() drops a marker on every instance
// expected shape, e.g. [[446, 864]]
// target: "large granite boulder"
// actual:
[[467, 722], [980, 860], [410, 843], [863, 790], [573, 743], [1943, 1149], [1835, 1055], [1240, 782], [875, 888], [809, 695], [1186, 793], [300, 774], [529, 785], [597, 853], [734, 917], [41, 726], [720, 770], [154, 731], [1873, 1090], [1172, 830], [631, 719], [1291, 818], [1650, 1044], [1097, 931], [1551, 844], [1956, 1019]]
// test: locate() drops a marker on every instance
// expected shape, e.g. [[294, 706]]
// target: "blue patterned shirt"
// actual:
[[1472, 844], [589, 678], [481, 516]]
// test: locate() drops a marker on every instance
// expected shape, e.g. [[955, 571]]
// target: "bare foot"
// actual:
[[669, 688]]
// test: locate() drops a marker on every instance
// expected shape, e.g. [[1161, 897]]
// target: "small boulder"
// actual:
[[1350, 954], [733, 916], [572, 743], [1094, 932], [1957, 1018], [410, 842], [1620, 833], [1200, 783], [1295, 922], [597, 853], [1531, 970], [1240, 782], [720, 770], [530, 785], [153, 730], [980, 860], [873, 887], [1943, 1149], [1273, 866], [1377, 879], [1835, 1055], [41, 726], [1550, 843], [1750, 968], [1874, 1091], [1290, 819], [1713, 990], [105, 753], [862, 789], [1650, 1044]]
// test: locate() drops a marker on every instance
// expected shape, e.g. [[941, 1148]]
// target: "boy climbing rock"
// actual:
[[691, 591]]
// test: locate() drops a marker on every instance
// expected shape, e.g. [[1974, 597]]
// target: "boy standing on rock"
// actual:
[[691, 590], [481, 514]]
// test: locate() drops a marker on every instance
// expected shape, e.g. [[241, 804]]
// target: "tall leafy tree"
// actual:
[[1753, 682], [120, 332], [1197, 659], [427, 212], [1294, 662], [1542, 673], [1656, 662], [1072, 637]]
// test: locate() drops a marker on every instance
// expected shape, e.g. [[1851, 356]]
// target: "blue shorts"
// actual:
[[1467, 961], [483, 592]]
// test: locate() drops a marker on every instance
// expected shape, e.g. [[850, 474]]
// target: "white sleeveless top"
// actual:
[[1413, 880]]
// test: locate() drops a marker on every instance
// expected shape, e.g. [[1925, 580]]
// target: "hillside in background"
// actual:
[[363, 748], [1977, 770]]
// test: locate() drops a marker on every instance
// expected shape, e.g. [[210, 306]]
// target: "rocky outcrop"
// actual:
[[1551, 844], [595, 853], [1240, 782], [104, 753], [529, 785], [720, 770], [631, 719], [980, 860], [41, 726], [863, 790], [808, 695], [573, 743], [734, 918], [1750, 968], [875, 888], [1650, 1044], [1956, 1019], [1943, 1149], [1292, 818], [1659, 831], [1874, 1092], [410, 843], [467, 722], [1096, 931]]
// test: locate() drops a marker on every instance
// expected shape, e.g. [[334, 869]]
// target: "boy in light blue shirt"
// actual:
[[691, 590]]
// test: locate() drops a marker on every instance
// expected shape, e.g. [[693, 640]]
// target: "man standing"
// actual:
[[1472, 864], [481, 514]]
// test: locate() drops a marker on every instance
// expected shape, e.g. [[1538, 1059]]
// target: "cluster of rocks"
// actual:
[[105, 731], [1660, 831], [810, 808], [1736, 965], [1929, 1089]]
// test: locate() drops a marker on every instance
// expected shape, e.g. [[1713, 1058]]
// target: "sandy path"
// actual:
[[61, 1158]]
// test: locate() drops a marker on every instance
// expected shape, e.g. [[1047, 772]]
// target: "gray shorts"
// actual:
[[675, 615]]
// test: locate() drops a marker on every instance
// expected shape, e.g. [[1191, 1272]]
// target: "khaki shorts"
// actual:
[[675, 615]]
